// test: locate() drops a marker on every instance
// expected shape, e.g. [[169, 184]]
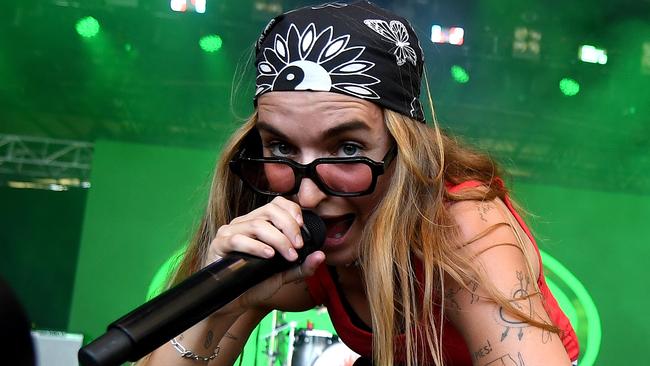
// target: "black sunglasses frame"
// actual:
[[301, 171]]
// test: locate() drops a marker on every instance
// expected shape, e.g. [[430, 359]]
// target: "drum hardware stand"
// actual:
[[278, 325]]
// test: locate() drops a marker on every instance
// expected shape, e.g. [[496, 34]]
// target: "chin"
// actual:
[[340, 257]]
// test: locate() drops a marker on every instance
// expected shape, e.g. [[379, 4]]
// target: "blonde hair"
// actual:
[[411, 220]]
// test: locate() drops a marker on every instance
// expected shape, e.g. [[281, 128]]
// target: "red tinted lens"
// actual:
[[347, 178], [268, 177]]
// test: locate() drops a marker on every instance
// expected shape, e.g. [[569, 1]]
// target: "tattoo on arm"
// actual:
[[507, 360], [546, 336], [208, 340], [483, 209], [483, 351], [520, 293], [475, 297], [450, 296]]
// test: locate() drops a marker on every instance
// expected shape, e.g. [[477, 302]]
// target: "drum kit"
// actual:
[[288, 345]]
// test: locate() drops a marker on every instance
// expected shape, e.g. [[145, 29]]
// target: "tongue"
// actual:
[[339, 228]]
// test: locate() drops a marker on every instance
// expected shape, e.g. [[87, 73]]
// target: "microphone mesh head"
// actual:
[[314, 227]]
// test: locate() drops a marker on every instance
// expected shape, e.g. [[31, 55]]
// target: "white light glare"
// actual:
[[456, 35], [178, 5], [200, 6], [436, 34], [453, 35], [593, 55]]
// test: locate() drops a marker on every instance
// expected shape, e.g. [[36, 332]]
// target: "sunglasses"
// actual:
[[345, 177]]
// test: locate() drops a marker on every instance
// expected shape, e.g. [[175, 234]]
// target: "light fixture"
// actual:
[[87, 27], [593, 55], [211, 43], [451, 35], [569, 87]]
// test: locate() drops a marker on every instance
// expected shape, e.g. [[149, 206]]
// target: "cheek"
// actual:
[[366, 205]]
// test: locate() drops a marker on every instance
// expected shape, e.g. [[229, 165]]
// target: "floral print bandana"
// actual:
[[356, 49]]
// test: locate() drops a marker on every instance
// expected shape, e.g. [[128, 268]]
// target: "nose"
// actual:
[[309, 195]]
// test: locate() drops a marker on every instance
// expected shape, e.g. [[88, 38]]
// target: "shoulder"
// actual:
[[480, 219], [491, 236], [501, 312]]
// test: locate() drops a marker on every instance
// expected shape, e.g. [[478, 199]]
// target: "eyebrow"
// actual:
[[349, 126]]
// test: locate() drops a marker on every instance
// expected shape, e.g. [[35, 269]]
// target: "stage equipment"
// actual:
[[288, 345]]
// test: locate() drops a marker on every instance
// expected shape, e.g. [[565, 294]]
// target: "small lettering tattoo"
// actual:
[[208, 340], [483, 351]]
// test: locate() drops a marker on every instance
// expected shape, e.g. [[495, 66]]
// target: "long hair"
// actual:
[[411, 222]]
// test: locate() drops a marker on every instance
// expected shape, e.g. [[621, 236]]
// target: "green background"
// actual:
[[145, 199], [158, 108]]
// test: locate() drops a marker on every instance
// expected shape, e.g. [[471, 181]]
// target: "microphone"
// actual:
[[157, 321]]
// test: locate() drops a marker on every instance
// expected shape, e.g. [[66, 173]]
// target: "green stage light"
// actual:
[[569, 87], [210, 43], [87, 27], [459, 74]]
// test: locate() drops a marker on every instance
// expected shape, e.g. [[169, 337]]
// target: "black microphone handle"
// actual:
[[157, 321]]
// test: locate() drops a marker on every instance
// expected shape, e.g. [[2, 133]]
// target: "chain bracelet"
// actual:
[[185, 353]]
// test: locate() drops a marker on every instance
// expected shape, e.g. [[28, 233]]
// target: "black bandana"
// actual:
[[355, 49]]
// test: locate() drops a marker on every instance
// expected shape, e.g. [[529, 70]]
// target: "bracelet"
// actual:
[[185, 353]]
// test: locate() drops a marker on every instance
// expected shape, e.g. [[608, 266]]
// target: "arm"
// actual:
[[493, 334], [229, 332], [273, 227]]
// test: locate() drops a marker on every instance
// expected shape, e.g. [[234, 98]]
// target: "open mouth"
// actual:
[[338, 226]]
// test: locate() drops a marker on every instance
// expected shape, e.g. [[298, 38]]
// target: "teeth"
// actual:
[[338, 235]]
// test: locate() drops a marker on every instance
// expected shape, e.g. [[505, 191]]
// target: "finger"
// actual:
[[266, 235], [287, 217], [293, 208], [245, 244], [283, 214], [306, 269]]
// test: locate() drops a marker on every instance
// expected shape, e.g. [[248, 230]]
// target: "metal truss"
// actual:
[[26, 158]]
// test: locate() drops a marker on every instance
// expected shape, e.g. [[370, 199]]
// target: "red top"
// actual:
[[323, 289]]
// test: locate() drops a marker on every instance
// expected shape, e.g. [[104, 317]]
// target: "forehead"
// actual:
[[316, 112]]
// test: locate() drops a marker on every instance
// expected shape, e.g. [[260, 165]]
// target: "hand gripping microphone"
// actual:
[[149, 326]]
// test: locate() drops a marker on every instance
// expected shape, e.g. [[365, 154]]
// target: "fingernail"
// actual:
[[292, 254], [298, 241], [299, 220], [268, 252]]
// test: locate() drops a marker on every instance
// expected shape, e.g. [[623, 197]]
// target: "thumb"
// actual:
[[306, 269]]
